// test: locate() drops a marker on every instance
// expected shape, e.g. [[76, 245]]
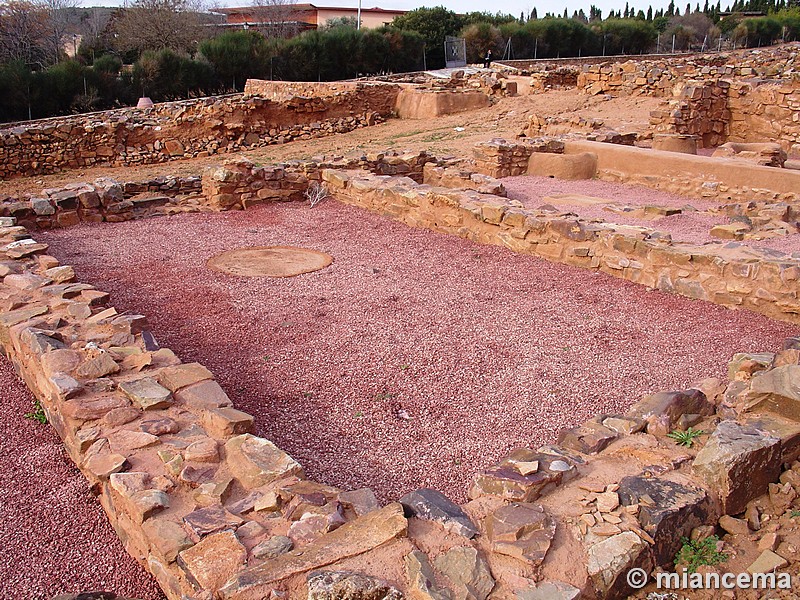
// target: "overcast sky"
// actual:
[[513, 7]]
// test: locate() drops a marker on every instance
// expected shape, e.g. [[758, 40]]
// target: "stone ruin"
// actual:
[[214, 512]]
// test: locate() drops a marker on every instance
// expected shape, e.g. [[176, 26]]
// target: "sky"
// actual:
[[514, 7]]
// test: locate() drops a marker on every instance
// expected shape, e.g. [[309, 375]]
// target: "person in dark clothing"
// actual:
[[487, 60]]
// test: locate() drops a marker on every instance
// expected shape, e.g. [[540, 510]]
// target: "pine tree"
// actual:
[[534, 16], [566, 16], [649, 14], [671, 8]]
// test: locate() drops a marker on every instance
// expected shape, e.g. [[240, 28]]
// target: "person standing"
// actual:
[[487, 60]]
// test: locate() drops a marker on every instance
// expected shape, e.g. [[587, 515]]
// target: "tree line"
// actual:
[[171, 49]]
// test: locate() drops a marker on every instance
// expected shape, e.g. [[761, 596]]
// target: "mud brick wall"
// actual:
[[186, 129]]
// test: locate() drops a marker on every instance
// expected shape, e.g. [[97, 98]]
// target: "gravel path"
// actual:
[[55, 536], [415, 359], [693, 227]]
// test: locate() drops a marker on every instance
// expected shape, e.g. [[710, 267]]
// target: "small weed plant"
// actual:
[[316, 193], [695, 553], [685, 438], [37, 414]]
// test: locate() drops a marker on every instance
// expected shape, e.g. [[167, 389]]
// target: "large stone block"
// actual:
[[468, 571], [673, 405], [738, 463], [432, 505], [351, 539], [563, 166], [611, 559], [521, 530], [343, 585], [667, 511], [210, 563], [255, 461], [776, 391], [523, 476]]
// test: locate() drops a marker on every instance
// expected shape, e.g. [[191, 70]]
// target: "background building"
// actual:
[[295, 18]]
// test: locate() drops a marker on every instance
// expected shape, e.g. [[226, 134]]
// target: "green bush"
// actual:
[[236, 56], [165, 75]]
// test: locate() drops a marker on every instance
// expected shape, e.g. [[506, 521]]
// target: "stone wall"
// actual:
[[657, 77], [728, 110], [215, 512], [732, 275], [103, 200], [187, 129], [726, 179]]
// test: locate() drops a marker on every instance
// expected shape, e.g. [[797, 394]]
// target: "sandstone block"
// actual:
[[521, 530], [180, 376], [667, 511], [468, 571], [211, 562], [432, 505], [422, 580], [776, 391], [351, 539], [611, 559], [337, 585], [167, 538], [255, 461], [738, 463], [224, 422], [146, 393]]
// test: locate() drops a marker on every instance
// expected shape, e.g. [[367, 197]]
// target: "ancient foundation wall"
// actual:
[[414, 103], [215, 512], [729, 110], [657, 77], [687, 174], [726, 179], [189, 128], [732, 275]]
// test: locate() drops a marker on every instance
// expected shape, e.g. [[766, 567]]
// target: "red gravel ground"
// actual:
[[55, 537], [689, 226], [416, 358]]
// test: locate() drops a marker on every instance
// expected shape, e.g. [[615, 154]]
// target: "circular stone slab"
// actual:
[[269, 261]]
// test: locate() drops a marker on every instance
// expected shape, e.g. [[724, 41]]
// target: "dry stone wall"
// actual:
[[729, 274], [730, 110], [103, 200], [214, 512], [189, 128], [657, 77]]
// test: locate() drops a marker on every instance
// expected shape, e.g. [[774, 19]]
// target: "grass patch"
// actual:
[[685, 438], [37, 414]]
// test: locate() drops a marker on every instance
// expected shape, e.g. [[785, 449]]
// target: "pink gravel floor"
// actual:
[[484, 350], [55, 537], [689, 226]]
